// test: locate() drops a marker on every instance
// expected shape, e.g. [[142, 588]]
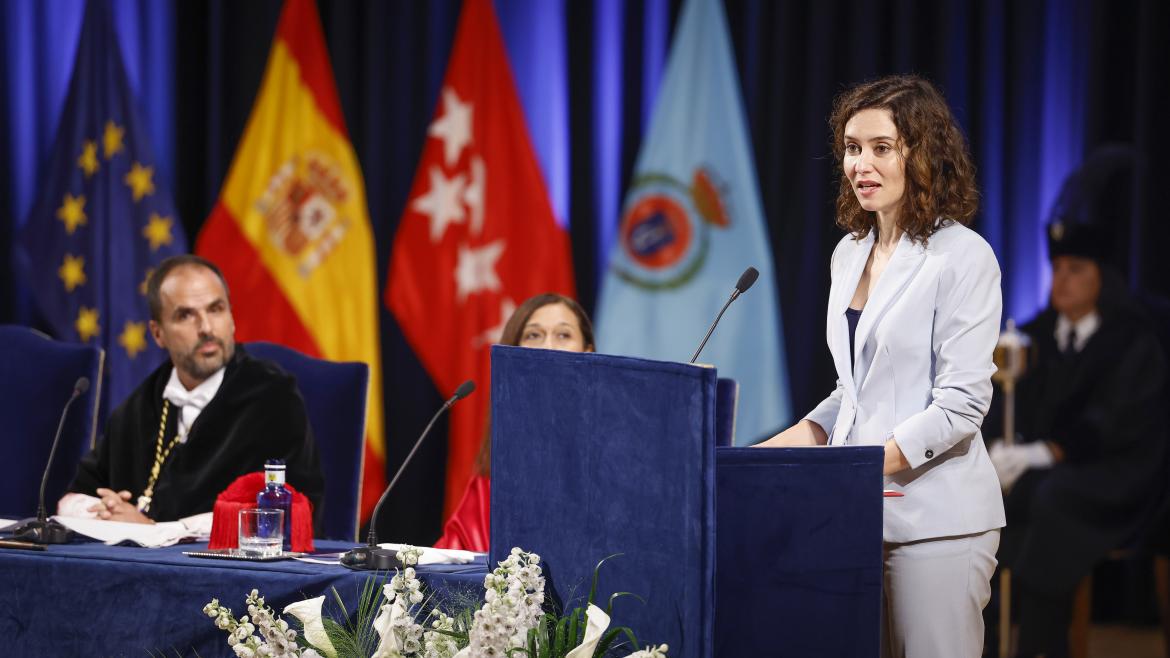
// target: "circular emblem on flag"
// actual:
[[665, 229], [656, 231]]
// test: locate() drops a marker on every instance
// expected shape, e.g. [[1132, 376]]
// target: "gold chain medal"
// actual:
[[160, 456]]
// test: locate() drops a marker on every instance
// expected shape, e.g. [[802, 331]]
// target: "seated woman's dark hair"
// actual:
[[511, 335], [514, 328]]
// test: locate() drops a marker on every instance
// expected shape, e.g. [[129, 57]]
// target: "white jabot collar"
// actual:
[[1085, 328], [193, 401]]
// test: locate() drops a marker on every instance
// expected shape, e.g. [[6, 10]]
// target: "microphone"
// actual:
[[746, 280], [370, 557], [41, 530]]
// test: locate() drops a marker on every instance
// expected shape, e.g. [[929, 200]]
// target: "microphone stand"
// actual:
[[370, 557], [746, 280], [42, 530], [711, 329]]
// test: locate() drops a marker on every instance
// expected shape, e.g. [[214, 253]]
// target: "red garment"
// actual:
[[469, 528], [241, 494]]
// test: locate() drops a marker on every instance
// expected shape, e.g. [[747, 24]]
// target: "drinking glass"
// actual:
[[261, 531]]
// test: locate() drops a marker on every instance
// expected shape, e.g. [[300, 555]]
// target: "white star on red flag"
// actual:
[[473, 196], [454, 127], [445, 290], [442, 203], [476, 270], [492, 334]]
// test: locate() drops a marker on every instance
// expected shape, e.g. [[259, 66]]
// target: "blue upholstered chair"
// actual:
[[37, 375], [335, 397]]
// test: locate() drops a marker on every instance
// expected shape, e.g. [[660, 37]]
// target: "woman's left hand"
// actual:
[[895, 461]]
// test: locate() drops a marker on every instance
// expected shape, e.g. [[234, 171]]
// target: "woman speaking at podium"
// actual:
[[913, 318]]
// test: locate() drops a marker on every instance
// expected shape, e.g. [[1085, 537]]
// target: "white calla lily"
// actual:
[[309, 614], [596, 622], [384, 625]]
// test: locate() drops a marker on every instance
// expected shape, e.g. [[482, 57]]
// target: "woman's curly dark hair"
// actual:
[[940, 177]]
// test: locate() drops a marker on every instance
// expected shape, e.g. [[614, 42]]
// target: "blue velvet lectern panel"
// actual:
[[594, 455], [799, 551]]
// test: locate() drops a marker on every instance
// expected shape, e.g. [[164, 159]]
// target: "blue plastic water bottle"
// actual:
[[275, 495]]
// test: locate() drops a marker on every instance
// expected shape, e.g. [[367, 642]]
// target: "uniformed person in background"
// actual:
[[1087, 467]]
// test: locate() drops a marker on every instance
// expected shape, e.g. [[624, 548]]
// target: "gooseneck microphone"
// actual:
[[746, 280], [41, 530], [370, 557]]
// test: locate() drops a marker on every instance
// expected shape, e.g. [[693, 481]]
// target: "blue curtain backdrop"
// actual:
[[1036, 85]]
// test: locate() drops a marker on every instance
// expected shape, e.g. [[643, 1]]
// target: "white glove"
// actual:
[[1011, 461]]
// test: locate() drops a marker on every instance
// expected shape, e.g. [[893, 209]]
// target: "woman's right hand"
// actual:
[[804, 433]]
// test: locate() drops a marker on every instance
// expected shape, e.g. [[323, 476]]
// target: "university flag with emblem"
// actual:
[[691, 223], [291, 229], [103, 217], [478, 235]]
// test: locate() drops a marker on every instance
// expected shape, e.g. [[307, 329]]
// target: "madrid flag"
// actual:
[[478, 234], [291, 229]]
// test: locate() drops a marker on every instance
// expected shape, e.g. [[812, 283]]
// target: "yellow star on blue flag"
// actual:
[[104, 216]]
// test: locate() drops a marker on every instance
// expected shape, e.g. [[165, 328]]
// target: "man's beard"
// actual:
[[201, 369]]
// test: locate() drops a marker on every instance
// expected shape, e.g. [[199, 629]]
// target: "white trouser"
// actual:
[[933, 596]]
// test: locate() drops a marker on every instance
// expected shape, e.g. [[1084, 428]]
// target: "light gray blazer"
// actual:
[[922, 375]]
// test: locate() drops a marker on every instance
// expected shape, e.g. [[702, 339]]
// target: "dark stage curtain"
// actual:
[[1036, 85]]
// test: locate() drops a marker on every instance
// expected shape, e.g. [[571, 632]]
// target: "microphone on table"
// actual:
[[746, 280], [370, 557], [41, 530]]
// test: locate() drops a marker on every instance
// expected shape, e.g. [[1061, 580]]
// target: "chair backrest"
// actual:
[[37, 375], [335, 397]]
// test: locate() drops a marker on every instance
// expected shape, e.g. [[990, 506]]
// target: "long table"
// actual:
[[97, 600]]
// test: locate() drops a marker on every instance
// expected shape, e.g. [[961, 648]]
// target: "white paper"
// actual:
[[437, 555], [148, 535], [321, 558]]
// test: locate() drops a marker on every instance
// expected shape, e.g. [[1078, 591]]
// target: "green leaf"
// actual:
[[617, 595], [560, 641], [612, 634], [596, 573], [575, 623]]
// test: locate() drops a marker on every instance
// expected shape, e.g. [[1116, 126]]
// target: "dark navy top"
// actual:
[[853, 315]]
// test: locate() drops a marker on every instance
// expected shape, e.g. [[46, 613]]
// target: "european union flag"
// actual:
[[102, 219]]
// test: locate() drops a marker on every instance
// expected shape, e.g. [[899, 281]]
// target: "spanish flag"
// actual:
[[291, 229]]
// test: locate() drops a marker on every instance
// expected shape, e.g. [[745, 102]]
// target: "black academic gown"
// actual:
[[257, 414], [1105, 408]]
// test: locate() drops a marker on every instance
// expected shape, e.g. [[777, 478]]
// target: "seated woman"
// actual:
[[549, 321]]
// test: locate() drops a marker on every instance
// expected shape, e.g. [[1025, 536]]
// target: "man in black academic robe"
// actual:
[[1088, 467], [225, 412], [257, 414]]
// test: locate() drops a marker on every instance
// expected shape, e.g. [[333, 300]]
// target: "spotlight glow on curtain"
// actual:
[[40, 40]]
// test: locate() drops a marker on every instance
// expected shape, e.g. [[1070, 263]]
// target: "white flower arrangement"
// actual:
[[258, 633], [513, 596], [511, 622]]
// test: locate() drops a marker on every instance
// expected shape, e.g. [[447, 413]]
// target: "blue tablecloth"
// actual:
[[97, 600]]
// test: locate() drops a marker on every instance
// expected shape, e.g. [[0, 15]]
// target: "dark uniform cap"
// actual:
[[1072, 239], [1091, 212]]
